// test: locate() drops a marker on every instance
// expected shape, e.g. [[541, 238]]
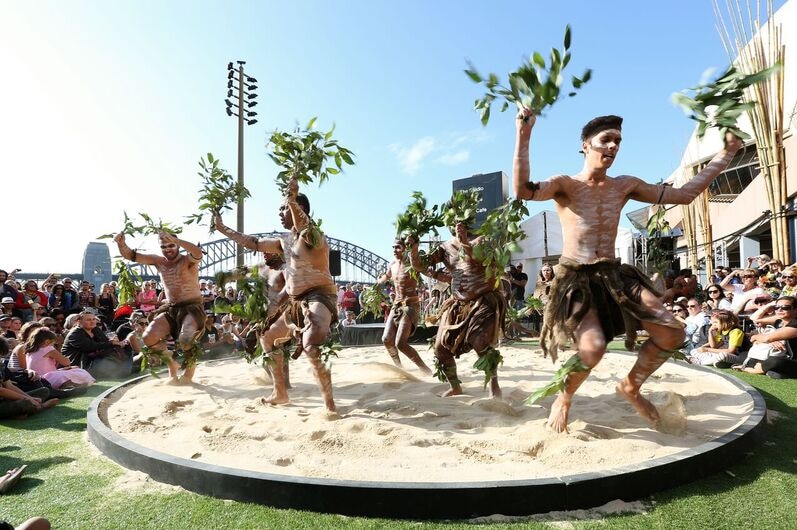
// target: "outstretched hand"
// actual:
[[168, 238], [524, 121], [732, 142], [217, 222], [292, 189]]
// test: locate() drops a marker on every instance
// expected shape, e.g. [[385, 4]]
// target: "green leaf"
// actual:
[[568, 35], [538, 59], [473, 74]]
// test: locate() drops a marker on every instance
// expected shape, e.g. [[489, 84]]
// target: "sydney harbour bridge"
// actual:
[[356, 263]]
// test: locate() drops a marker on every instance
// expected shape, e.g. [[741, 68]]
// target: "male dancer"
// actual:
[[403, 315], [594, 297], [182, 316], [311, 308], [472, 318]]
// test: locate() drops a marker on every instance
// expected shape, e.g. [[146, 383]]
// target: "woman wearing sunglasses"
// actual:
[[782, 315], [715, 298]]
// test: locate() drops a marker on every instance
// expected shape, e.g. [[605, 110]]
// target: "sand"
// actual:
[[393, 426]]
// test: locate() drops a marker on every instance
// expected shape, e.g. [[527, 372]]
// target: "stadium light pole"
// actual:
[[245, 99]]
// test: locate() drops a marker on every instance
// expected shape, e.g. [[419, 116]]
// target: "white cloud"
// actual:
[[451, 151], [453, 159], [411, 158]]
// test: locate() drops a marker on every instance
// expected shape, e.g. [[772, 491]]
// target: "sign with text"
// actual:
[[493, 187]]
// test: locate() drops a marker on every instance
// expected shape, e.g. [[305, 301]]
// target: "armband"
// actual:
[[661, 195], [134, 255], [533, 187]]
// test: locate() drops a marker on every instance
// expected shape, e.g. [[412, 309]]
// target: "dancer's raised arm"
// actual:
[[663, 194], [523, 189], [268, 245]]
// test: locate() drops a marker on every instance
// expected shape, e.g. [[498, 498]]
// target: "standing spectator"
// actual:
[[349, 301], [207, 295], [148, 298], [70, 296], [107, 302], [29, 299], [85, 298], [8, 305], [518, 279], [542, 289], [7, 290]]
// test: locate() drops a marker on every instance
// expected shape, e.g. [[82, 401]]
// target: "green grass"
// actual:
[[70, 483]]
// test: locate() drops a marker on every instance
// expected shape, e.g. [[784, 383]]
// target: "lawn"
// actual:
[[74, 486]]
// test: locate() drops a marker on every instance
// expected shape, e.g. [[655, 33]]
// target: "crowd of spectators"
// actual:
[[58, 336], [745, 318]]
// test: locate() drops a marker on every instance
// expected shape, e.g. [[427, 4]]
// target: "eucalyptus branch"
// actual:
[[372, 299], [149, 227], [219, 190], [418, 220], [501, 234], [307, 155], [533, 85], [720, 103]]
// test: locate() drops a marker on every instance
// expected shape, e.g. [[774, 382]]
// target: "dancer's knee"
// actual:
[[592, 356]]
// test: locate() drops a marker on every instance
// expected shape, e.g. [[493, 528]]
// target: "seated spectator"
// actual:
[[697, 324], [744, 293], [85, 297], [349, 320], [779, 361], [788, 280], [48, 362], [725, 341], [5, 330], [6, 290], [14, 403], [70, 296], [58, 299], [715, 298], [213, 340], [227, 300], [89, 348]]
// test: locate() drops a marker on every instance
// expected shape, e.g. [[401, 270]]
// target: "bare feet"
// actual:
[[50, 403], [275, 399], [644, 408], [557, 419], [11, 477], [453, 391]]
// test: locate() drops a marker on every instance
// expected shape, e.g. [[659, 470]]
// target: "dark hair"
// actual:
[[3, 347], [37, 338], [601, 123], [28, 328], [58, 286], [304, 202]]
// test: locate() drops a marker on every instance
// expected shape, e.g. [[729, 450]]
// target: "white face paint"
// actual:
[[603, 147]]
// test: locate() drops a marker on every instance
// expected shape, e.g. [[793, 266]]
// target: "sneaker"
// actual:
[[723, 364], [775, 375]]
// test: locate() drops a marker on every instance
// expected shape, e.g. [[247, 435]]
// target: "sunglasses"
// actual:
[[714, 292], [784, 307], [745, 276], [788, 277], [692, 305]]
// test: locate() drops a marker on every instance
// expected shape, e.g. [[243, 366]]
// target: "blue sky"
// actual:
[[109, 105]]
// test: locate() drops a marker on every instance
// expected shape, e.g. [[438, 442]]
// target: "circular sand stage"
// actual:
[[396, 449]]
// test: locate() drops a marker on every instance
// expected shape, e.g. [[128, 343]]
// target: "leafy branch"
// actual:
[[219, 190], [534, 85], [127, 280], [253, 287], [657, 228], [149, 227], [418, 220], [718, 104], [371, 301], [461, 208], [500, 233], [307, 155], [489, 363]]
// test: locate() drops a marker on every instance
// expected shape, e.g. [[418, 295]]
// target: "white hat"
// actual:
[[7, 300]]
